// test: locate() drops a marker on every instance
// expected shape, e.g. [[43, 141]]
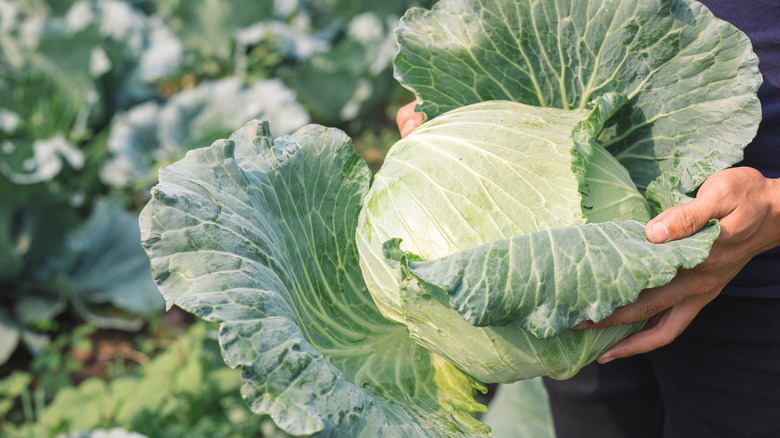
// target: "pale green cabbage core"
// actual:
[[475, 175]]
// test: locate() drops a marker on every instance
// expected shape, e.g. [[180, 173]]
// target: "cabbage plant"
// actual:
[[378, 305], [470, 193]]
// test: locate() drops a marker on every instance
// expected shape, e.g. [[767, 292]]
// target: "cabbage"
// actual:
[[482, 173], [360, 306]]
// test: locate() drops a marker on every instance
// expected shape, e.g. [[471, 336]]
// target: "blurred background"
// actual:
[[95, 97]]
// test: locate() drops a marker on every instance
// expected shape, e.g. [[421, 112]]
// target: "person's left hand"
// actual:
[[748, 207]]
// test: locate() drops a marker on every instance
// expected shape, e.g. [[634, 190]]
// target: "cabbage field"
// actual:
[[210, 226]]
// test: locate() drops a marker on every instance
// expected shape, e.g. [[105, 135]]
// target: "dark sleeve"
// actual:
[[760, 20]]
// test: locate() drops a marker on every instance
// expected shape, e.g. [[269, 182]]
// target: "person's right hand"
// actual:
[[407, 119], [747, 204]]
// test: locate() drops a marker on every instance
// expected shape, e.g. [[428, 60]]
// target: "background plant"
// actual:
[[98, 95], [95, 97]]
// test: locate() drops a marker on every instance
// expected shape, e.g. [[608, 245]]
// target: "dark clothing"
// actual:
[[761, 276], [720, 378], [760, 20]]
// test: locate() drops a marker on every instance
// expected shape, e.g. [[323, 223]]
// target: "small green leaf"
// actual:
[[665, 192]]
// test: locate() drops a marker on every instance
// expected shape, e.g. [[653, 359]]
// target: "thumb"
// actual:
[[680, 221]]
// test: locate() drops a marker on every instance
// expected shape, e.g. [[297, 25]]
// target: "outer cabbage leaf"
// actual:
[[548, 281], [665, 192], [691, 78], [259, 235]]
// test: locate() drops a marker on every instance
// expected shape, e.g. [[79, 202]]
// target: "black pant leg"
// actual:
[[721, 377], [616, 400]]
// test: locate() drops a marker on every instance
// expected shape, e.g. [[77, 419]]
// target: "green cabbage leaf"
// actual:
[[691, 78], [259, 234], [548, 281]]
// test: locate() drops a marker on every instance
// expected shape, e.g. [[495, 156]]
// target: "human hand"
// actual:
[[407, 119], [748, 207]]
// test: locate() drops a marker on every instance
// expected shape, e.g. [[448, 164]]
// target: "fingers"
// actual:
[[742, 199], [718, 197], [649, 303], [669, 310], [660, 330], [685, 285], [407, 119], [682, 220]]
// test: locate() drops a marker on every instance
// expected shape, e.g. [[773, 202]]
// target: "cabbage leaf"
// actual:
[[259, 234], [691, 78], [548, 281]]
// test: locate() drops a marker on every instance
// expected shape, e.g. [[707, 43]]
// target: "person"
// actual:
[[707, 362]]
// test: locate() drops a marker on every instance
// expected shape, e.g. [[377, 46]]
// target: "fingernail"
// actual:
[[659, 232], [408, 127], [582, 325], [604, 358]]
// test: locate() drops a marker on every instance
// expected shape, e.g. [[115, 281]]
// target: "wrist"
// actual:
[[774, 210]]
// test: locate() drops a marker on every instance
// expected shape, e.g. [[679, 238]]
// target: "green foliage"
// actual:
[[183, 390], [518, 202], [259, 234], [678, 65], [295, 314], [55, 365]]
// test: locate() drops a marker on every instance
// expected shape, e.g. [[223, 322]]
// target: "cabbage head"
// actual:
[[482, 173]]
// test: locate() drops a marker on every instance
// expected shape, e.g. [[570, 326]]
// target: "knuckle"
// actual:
[[704, 285], [660, 337], [648, 309], [609, 321], [687, 220], [665, 338], [717, 184]]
